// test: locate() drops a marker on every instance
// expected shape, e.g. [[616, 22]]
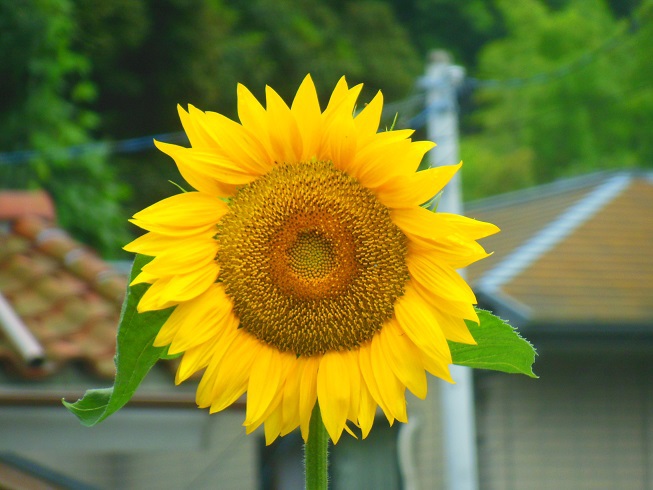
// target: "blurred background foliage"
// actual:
[[581, 97], [80, 71]]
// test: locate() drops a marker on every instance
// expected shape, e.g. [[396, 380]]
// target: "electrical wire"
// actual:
[[131, 145], [408, 108], [563, 71]]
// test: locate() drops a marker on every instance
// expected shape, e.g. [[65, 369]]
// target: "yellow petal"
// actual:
[[339, 141], [201, 319], [436, 367], [386, 138], [367, 121], [204, 395], [351, 361], [285, 138], [188, 286], [197, 134], [252, 114], [233, 372], [194, 359], [273, 425], [422, 223], [365, 363], [440, 279], [407, 191], [453, 250], [189, 310], [290, 400], [342, 103], [460, 309], [187, 213], [210, 164], [416, 319], [469, 227], [377, 164], [239, 145], [153, 244], [184, 257], [306, 109], [199, 181], [152, 299], [390, 388], [333, 393], [143, 277], [430, 233], [272, 407], [264, 380], [454, 327], [308, 392], [367, 411], [403, 357], [338, 96], [383, 154], [287, 360]]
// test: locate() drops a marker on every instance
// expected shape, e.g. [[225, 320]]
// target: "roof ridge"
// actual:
[[549, 189], [553, 233]]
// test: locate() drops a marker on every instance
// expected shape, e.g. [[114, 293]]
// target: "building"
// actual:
[[573, 271], [59, 311]]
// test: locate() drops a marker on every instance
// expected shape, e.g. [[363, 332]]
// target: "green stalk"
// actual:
[[316, 457]]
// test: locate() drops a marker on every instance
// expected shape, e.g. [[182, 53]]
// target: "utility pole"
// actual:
[[441, 82]]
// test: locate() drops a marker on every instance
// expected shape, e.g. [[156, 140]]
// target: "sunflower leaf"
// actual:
[[499, 347], [165, 355], [135, 355]]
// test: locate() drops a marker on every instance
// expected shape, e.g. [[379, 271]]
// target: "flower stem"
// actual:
[[316, 456]]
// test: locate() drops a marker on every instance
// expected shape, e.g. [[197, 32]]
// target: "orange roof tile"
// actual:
[[66, 302], [576, 253], [15, 204], [66, 296]]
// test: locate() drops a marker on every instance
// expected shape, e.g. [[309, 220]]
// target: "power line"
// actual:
[[562, 71], [407, 108], [131, 145]]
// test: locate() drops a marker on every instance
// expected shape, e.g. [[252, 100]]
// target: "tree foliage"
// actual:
[[462, 28], [148, 56], [579, 99], [79, 71], [45, 108]]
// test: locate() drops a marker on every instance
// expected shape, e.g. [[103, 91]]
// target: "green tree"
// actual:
[[149, 55], [461, 28], [580, 78], [46, 110]]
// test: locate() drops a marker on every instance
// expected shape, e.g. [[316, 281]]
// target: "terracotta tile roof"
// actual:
[[22, 203], [65, 302], [576, 252], [68, 299]]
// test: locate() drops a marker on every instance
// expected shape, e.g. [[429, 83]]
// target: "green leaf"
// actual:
[[135, 355], [167, 356], [499, 347]]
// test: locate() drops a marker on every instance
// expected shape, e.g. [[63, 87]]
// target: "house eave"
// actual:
[[530, 323], [505, 307], [21, 397]]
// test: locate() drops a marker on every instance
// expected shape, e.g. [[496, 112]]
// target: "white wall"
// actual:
[[137, 448], [585, 424]]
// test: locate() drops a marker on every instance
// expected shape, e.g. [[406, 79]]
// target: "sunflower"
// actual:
[[302, 269]]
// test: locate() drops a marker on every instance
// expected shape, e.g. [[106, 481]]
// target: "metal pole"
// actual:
[[441, 81], [19, 335]]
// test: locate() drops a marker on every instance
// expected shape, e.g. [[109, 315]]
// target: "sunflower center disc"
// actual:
[[311, 259], [311, 256]]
